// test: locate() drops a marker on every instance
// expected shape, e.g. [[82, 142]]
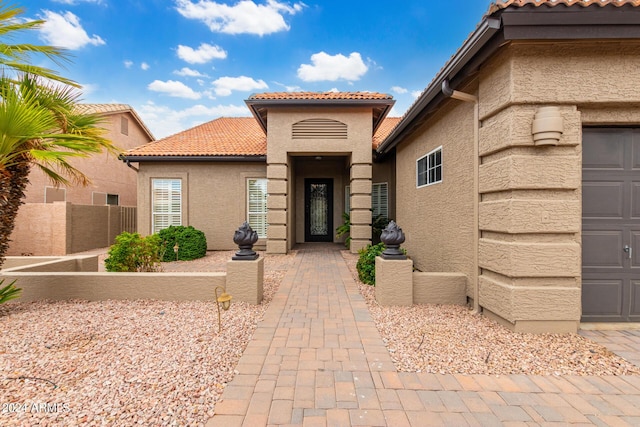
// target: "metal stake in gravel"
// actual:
[[225, 300]]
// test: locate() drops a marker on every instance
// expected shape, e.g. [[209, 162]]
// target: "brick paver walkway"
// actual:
[[317, 360]]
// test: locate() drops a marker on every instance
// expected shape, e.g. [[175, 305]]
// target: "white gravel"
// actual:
[[164, 363], [123, 362], [450, 339]]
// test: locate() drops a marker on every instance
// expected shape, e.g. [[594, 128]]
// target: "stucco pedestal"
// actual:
[[394, 281], [245, 280]]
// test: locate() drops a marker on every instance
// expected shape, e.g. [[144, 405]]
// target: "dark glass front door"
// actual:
[[318, 216]]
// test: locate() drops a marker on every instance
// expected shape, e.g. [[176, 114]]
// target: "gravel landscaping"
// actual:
[[452, 340], [124, 362], [164, 363]]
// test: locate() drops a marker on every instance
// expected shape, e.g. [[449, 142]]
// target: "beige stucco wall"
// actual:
[[286, 201], [62, 228], [438, 219], [530, 213], [106, 172], [214, 196]]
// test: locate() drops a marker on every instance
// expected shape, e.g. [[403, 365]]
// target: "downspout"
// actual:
[[466, 97], [132, 167]]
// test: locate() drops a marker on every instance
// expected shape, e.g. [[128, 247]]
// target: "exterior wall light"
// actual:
[[548, 126], [225, 301], [176, 248]]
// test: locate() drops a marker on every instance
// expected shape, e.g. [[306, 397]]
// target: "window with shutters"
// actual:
[[257, 205], [379, 200], [429, 168], [166, 203]]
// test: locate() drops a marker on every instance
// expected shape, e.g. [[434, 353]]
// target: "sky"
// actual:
[[180, 63]]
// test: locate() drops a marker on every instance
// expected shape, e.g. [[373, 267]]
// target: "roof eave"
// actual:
[[482, 34], [518, 23], [256, 104], [139, 159]]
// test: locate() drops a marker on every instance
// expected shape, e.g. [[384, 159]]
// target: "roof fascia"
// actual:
[[255, 105], [525, 23], [483, 33], [139, 159]]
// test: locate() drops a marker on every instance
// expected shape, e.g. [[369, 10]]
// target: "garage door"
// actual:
[[611, 225]]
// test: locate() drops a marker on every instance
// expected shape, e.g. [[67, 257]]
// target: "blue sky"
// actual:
[[180, 63]]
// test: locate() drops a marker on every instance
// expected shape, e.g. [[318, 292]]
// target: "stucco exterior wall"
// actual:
[[108, 175], [214, 196], [285, 203], [62, 228], [530, 210], [438, 219]]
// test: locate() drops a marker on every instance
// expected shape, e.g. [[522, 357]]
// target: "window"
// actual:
[[429, 168], [113, 199], [166, 203], [379, 200], [257, 205]]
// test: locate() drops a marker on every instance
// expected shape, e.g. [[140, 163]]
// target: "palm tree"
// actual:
[[39, 124]]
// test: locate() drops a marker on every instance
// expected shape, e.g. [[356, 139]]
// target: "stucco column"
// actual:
[[360, 215], [530, 220], [277, 208]]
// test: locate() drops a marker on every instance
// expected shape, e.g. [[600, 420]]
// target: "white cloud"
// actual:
[[202, 55], [66, 31], [144, 66], [173, 88], [399, 90], [188, 72], [333, 67], [225, 85], [75, 2], [416, 93], [127, 64], [164, 121], [289, 88], [245, 17]]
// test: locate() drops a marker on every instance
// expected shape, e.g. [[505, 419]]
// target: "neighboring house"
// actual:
[[44, 226], [517, 166], [111, 182]]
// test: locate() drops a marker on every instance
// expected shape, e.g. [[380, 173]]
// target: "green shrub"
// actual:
[[192, 243], [8, 292], [345, 228], [366, 264], [379, 224], [134, 253]]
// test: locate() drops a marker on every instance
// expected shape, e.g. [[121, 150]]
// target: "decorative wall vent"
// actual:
[[319, 129]]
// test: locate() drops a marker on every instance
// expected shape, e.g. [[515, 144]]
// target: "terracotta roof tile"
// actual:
[[319, 96], [503, 4], [106, 109], [384, 130], [225, 136]]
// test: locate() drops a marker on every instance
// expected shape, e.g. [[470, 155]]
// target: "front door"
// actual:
[[318, 216], [611, 225]]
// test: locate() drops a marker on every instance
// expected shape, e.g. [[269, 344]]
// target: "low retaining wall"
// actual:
[[398, 284], [77, 278], [439, 288]]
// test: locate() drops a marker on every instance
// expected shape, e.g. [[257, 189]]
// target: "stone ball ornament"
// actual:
[[245, 237], [392, 237]]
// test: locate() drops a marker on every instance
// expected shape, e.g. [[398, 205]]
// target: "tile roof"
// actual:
[[106, 109], [319, 96], [385, 128], [503, 4], [225, 136]]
